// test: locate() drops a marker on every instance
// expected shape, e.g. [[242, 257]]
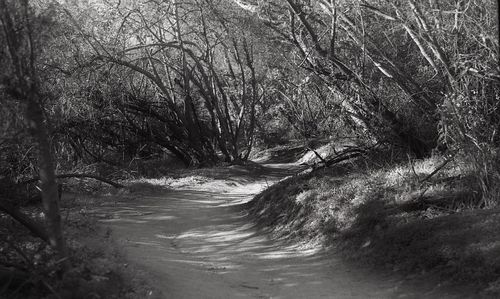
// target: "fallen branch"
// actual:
[[34, 227], [344, 155], [342, 158], [77, 175], [440, 166]]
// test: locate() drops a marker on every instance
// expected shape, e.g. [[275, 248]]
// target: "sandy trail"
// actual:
[[199, 243]]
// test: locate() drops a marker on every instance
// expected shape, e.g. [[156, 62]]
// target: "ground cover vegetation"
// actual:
[[106, 91], [394, 217]]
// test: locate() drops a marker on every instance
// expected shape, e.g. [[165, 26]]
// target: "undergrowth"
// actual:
[[29, 269], [394, 216]]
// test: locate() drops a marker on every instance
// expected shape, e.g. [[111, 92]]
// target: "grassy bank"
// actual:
[[392, 217]]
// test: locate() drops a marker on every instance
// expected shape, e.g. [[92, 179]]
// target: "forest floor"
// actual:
[[195, 238]]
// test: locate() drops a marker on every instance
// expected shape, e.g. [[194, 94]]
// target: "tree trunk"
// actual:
[[50, 196], [24, 88]]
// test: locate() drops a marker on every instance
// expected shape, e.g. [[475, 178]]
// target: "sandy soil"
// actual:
[[197, 242]]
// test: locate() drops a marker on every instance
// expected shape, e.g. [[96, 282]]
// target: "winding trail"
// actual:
[[199, 243]]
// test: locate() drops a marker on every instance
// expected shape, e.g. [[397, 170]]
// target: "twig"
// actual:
[[19, 252], [412, 167], [440, 166], [421, 195], [317, 155]]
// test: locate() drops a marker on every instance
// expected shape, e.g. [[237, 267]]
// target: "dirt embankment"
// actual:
[[387, 219]]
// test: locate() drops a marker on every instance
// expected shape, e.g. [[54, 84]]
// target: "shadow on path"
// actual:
[[201, 244]]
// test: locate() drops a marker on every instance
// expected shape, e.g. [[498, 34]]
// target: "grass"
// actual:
[[386, 216]]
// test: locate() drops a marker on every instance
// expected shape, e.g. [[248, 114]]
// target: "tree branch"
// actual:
[[34, 227], [77, 175]]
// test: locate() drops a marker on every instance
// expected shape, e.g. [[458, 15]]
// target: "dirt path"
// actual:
[[198, 243]]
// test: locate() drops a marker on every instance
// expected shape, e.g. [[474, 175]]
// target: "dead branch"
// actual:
[[33, 226], [438, 168], [344, 155], [77, 175]]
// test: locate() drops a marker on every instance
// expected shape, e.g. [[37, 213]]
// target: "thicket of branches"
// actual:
[[206, 80], [420, 75]]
